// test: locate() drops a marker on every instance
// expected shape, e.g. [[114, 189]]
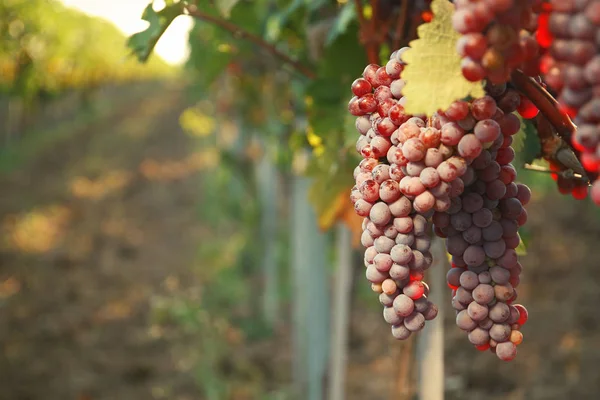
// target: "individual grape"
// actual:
[[483, 218], [423, 243], [429, 177], [453, 277], [420, 225], [499, 312], [405, 238], [386, 299], [414, 322], [479, 336], [494, 249], [400, 332], [414, 289], [403, 305], [469, 146], [383, 262], [401, 254], [424, 202], [464, 322], [384, 244], [523, 314], [487, 130], [469, 280], [370, 254], [451, 134], [413, 149], [483, 294], [506, 351], [401, 208], [389, 192], [516, 337], [411, 186], [433, 158], [472, 202], [483, 108], [500, 275], [456, 245], [380, 214], [472, 235], [362, 207], [422, 304], [504, 292], [375, 276], [477, 312], [389, 286], [463, 295], [431, 312], [500, 332], [366, 239], [461, 221], [485, 277], [398, 271], [361, 87], [474, 255], [403, 224], [390, 316]]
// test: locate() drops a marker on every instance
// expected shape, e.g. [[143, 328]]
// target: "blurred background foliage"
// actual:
[[173, 232]]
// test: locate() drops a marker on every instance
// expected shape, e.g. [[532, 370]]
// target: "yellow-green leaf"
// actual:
[[521, 249], [433, 75]]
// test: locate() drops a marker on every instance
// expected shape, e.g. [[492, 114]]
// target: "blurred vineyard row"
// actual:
[[47, 48]]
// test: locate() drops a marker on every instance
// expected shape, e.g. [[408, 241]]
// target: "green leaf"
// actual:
[[142, 43], [521, 249], [343, 20], [526, 141], [433, 73], [277, 21], [225, 6]]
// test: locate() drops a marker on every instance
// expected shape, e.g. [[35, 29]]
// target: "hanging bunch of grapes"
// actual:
[[449, 173]]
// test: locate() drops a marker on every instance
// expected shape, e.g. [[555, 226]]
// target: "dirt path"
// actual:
[[90, 230]]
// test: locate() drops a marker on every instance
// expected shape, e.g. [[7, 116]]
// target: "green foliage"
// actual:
[[46, 48], [225, 6], [142, 43]]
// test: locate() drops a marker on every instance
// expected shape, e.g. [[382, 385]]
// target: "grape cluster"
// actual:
[[496, 38], [572, 69], [482, 231], [448, 169], [408, 172]]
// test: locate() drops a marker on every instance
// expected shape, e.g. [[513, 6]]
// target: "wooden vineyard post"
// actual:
[[310, 295], [430, 342], [342, 290], [268, 189]]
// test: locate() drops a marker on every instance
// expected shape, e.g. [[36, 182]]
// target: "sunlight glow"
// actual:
[[126, 15]]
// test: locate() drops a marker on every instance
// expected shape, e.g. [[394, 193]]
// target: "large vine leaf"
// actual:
[[433, 74], [142, 43]]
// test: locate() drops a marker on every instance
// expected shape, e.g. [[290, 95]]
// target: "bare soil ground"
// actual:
[[96, 227]]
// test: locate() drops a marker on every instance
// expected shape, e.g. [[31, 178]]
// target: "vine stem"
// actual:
[[400, 24], [368, 32], [238, 32], [544, 101]]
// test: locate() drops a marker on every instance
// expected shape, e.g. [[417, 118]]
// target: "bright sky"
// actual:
[[126, 15]]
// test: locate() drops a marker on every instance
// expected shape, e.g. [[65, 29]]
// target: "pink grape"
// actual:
[[370, 190], [413, 149], [469, 146], [389, 191], [451, 134], [486, 131]]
